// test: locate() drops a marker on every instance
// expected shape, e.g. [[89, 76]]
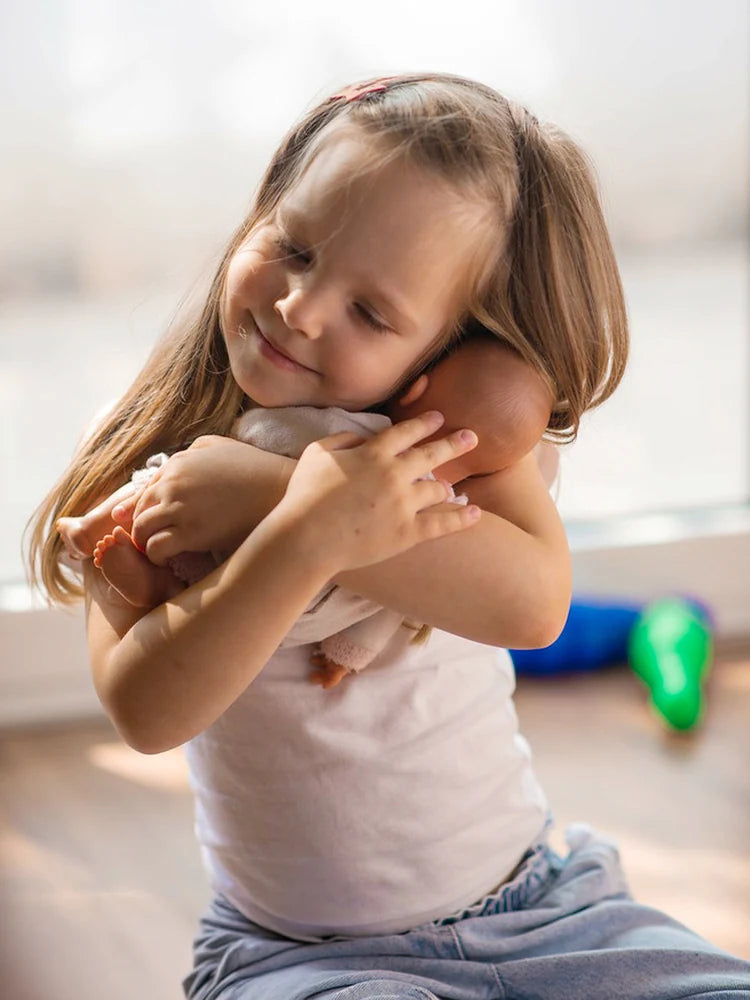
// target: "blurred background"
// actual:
[[133, 136]]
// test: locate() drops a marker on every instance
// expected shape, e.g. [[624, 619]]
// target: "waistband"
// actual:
[[523, 886]]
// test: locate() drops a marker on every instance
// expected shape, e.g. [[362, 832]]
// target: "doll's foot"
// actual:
[[80, 534], [130, 572], [327, 673]]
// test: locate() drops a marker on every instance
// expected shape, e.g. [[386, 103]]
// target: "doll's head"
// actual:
[[485, 385]]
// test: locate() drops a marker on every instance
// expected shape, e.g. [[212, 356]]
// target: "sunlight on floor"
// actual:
[[166, 771], [736, 676]]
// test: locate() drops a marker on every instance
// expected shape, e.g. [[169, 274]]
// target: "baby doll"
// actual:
[[482, 384]]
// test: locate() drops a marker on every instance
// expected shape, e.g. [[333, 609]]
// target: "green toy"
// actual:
[[670, 649]]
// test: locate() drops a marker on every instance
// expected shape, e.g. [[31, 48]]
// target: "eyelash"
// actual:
[[299, 257]]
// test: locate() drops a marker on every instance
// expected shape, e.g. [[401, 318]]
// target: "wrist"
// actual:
[[298, 539], [267, 481]]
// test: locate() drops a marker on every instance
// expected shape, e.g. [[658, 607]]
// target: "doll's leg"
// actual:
[[132, 575], [353, 648], [80, 534], [326, 673]]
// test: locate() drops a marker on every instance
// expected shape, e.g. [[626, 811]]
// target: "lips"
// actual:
[[282, 353], [277, 355]]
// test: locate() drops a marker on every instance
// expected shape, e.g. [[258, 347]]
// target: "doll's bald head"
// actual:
[[485, 385]]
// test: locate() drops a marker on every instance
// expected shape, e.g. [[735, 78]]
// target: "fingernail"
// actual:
[[468, 437], [434, 417], [473, 512]]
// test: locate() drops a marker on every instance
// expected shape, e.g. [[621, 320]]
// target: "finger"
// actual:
[[146, 496], [422, 458], [428, 492], [344, 439], [161, 547], [143, 501], [402, 436], [124, 492], [151, 521], [436, 523], [123, 513]]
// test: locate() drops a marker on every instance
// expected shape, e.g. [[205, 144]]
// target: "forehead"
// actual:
[[382, 210]]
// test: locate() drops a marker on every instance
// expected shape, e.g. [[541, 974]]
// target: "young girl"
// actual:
[[385, 839]]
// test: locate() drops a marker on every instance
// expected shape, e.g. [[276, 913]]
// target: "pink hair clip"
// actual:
[[357, 90]]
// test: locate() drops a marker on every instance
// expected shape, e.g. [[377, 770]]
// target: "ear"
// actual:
[[416, 390]]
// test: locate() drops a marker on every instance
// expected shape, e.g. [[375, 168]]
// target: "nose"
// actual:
[[302, 309]]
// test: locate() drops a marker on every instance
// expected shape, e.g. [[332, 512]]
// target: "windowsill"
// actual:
[[658, 528]]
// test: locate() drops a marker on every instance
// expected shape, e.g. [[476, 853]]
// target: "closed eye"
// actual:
[[291, 253], [371, 320], [300, 258]]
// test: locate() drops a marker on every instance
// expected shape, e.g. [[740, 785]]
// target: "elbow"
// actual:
[[147, 732], [547, 613], [143, 742], [137, 725], [136, 731], [544, 630]]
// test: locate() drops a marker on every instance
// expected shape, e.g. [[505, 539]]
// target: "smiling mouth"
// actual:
[[271, 351]]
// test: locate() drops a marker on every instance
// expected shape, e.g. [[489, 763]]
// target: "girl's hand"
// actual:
[[203, 499], [360, 503]]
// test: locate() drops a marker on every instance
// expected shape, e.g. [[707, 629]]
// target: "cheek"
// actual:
[[367, 373], [247, 274]]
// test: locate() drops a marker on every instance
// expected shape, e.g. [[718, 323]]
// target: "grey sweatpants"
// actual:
[[562, 929]]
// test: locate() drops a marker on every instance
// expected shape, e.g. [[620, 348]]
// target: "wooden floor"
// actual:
[[101, 885]]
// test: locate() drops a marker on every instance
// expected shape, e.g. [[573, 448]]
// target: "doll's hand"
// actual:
[[361, 503], [203, 499]]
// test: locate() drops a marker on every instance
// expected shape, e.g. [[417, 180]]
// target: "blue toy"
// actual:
[[595, 635]]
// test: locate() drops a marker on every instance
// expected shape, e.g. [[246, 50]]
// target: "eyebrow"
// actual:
[[293, 219]]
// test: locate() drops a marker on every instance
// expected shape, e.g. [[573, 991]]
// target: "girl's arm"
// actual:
[[506, 583], [167, 676]]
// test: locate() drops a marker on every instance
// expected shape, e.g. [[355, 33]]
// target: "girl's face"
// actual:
[[354, 277]]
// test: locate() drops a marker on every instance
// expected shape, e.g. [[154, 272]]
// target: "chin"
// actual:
[[272, 398]]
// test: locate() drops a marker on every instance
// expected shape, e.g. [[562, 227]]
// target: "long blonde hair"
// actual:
[[548, 285]]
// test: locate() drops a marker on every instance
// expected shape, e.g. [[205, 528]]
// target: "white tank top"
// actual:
[[400, 796]]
